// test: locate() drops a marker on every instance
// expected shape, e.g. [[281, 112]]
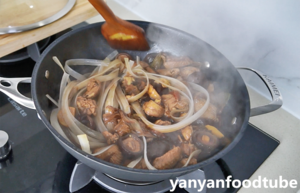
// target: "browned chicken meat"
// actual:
[[141, 165], [168, 160], [187, 132], [122, 128], [170, 61], [92, 89], [110, 138], [182, 162], [187, 71], [146, 66], [60, 116], [173, 72], [122, 56], [210, 113], [169, 101], [153, 94], [187, 149], [112, 155], [161, 122], [86, 106], [153, 109]]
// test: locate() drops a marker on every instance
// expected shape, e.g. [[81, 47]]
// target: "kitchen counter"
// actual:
[[81, 11], [285, 160]]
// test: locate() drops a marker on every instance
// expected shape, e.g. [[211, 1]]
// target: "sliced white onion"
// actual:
[[111, 98], [112, 55], [99, 77], [148, 164], [84, 143], [100, 106], [72, 122], [134, 162], [56, 60], [63, 84], [55, 124], [193, 154], [123, 101], [102, 150]]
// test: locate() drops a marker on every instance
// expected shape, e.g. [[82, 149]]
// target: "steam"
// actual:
[[261, 35]]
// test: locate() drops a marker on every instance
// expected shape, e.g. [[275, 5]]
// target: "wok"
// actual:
[[88, 42]]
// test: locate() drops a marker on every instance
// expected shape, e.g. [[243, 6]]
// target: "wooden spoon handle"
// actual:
[[105, 11]]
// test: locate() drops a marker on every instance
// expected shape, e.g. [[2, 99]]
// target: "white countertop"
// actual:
[[285, 160]]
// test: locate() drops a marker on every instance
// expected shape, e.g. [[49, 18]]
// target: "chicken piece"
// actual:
[[187, 71], [112, 155], [110, 138], [187, 132], [180, 78], [175, 61], [154, 95], [92, 89], [161, 122], [153, 109], [131, 90], [141, 85], [169, 101], [60, 116], [187, 149], [86, 106], [122, 128], [146, 66], [111, 118], [182, 162], [87, 121], [182, 104], [210, 113], [174, 72], [141, 165], [168, 160]]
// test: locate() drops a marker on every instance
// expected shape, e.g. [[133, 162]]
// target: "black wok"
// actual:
[[88, 42]]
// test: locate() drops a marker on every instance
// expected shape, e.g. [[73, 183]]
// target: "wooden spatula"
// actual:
[[120, 34]]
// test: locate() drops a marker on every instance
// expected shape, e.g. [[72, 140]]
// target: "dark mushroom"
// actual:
[[122, 56], [205, 140], [131, 145], [157, 148], [157, 62]]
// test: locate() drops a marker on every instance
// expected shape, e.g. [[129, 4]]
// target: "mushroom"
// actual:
[[131, 145], [92, 88], [205, 140], [122, 56], [60, 116], [153, 109]]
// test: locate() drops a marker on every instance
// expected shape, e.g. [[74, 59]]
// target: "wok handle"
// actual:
[[9, 86], [276, 102]]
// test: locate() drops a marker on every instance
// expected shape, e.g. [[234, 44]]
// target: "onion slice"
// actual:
[[194, 153], [134, 162], [55, 124], [102, 150], [148, 164], [84, 143], [123, 101]]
